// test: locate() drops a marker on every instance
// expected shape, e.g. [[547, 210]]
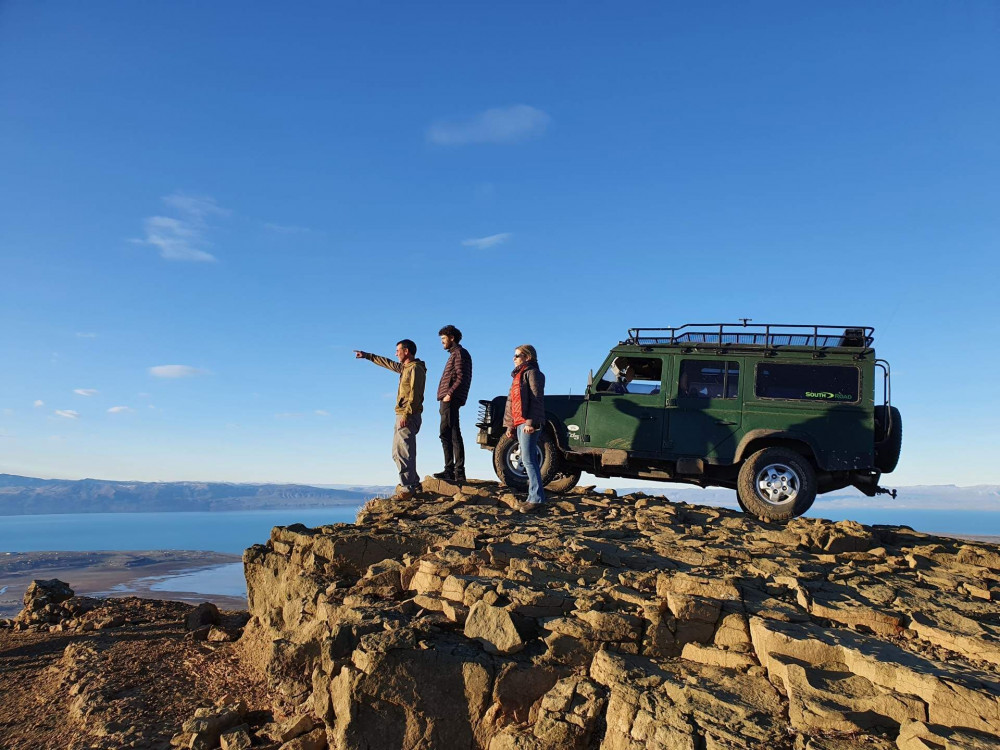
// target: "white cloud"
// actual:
[[175, 371], [499, 125], [481, 243], [323, 412], [81, 335], [183, 237], [85, 391], [287, 415], [39, 402], [195, 206], [119, 409], [67, 413]]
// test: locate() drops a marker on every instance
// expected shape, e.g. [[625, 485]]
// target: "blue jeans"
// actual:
[[528, 443]]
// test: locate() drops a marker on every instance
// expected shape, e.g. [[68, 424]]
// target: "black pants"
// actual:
[[451, 439]]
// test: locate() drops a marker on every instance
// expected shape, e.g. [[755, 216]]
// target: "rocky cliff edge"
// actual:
[[624, 623]]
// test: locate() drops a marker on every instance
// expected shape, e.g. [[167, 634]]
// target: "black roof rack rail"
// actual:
[[762, 335]]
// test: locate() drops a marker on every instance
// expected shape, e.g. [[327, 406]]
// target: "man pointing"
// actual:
[[409, 407]]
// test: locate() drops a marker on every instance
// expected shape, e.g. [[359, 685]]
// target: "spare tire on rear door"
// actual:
[[888, 438]]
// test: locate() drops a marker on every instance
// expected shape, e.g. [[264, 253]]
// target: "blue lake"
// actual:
[[217, 532]]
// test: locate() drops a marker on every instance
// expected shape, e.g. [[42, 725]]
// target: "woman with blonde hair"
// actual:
[[524, 417]]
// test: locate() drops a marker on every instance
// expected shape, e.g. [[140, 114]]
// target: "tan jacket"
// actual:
[[412, 377]]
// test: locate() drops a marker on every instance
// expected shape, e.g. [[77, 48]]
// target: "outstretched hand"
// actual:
[[359, 354]]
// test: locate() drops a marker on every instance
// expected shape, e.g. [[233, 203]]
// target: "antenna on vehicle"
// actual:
[[745, 321]]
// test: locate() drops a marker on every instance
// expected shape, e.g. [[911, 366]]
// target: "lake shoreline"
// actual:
[[112, 574]]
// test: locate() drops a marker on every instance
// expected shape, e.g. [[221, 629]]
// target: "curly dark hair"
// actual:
[[450, 330]]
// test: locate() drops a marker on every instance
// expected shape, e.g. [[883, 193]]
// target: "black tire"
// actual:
[[564, 480], [787, 490], [889, 443], [507, 462]]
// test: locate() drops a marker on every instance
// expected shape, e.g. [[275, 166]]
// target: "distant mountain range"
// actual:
[[26, 496]]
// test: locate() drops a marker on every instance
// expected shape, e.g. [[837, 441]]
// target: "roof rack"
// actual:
[[766, 336]]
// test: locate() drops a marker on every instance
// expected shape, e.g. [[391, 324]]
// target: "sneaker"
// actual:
[[446, 475], [529, 507]]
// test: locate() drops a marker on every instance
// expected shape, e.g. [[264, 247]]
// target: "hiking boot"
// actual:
[[530, 507], [447, 476], [460, 477], [402, 494]]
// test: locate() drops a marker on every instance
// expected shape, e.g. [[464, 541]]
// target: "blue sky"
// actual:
[[250, 191]]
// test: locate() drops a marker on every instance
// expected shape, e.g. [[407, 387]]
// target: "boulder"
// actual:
[[204, 615]]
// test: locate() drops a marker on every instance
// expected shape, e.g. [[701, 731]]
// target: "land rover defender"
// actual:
[[780, 413]]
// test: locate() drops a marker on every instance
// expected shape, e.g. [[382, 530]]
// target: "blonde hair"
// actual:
[[529, 350]]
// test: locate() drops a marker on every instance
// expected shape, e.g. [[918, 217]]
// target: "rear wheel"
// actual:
[[776, 484], [510, 469], [889, 430]]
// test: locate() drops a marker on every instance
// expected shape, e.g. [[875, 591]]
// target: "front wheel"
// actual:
[[510, 469], [776, 484], [564, 480]]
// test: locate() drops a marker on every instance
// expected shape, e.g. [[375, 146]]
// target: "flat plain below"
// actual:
[[111, 573]]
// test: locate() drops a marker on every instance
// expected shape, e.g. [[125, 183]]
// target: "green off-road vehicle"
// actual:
[[777, 412]]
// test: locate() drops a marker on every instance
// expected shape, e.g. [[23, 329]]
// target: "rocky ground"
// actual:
[[82, 673], [455, 621], [622, 623]]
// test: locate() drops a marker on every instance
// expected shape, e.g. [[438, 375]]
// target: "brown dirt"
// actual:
[[131, 686]]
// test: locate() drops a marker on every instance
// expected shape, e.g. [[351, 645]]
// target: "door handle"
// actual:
[[724, 421]]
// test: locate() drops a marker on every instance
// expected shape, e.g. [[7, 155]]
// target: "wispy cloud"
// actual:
[[481, 243], [176, 371], [119, 409], [85, 335], [287, 415], [39, 403], [499, 125], [322, 412], [67, 414], [182, 237], [286, 228], [85, 391]]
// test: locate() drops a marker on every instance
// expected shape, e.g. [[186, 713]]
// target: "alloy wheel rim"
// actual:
[[515, 463], [778, 484]]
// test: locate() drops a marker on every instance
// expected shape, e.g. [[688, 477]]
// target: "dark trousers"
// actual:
[[451, 439]]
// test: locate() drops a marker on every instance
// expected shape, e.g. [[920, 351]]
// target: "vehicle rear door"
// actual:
[[705, 411]]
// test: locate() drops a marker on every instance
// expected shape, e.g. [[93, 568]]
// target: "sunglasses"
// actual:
[[518, 356]]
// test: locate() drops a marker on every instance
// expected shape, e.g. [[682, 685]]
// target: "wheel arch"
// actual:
[[557, 430], [756, 440]]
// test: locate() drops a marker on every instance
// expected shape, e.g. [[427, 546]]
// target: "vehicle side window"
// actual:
[[639, 375], [708, 378], [808, 382]]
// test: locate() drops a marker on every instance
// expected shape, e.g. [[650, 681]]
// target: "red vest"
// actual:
[[515, 398]]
